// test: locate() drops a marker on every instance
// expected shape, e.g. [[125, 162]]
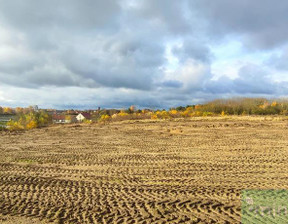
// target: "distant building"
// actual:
[[59, 119], [63, 119], [50, 111], [82, 116], [35, 108]]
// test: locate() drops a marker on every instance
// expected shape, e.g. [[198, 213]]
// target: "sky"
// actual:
[[150, 53]]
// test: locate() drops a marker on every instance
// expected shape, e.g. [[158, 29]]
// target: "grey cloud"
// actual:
[[86, 39], [97, 43], [261, 21], [192, 48], [121, 64], [140, 49], [172, 84], [166, 15], [16, 65], [279, 61], [64, 14], [84, 98], [220, 86], [252, 80]]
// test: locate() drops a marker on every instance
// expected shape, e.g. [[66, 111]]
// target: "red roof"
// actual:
[[58, 117]]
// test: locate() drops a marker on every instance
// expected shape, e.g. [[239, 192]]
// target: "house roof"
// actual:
[[58, 117], [86, 115]]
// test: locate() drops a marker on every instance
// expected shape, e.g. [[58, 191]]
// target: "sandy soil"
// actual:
[[140, 171]]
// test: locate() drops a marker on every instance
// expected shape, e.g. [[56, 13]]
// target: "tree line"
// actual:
[[245, 106], [14, 111], [27, 118], [218, 107]]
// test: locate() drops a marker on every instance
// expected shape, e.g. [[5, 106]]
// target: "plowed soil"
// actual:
[[179, 171]]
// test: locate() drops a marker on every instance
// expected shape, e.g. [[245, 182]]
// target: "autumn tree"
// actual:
[[132, 108], [19, 110], [30, 121], [7, 110]]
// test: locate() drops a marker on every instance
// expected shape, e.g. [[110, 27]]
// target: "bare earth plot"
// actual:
[[140, 172]]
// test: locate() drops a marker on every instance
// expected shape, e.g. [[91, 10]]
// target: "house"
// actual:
[[82, 116], [63, 119], [59, 119]]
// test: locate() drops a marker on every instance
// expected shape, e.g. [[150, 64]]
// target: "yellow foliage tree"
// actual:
[[86, 121], [105, 117], [29, 121], [68, 118], [31, 124], [154, 116], [185, 113], [264, 105], [14, 125], [123, 114], [197, 107], [173, 112], [274, 104], [7, 110], [19, 110]]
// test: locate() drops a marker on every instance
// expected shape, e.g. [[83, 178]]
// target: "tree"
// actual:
[[30, 120], [7, 110], [19, 110], [132, 108], [180, 108], [68, 118], [105, 117]]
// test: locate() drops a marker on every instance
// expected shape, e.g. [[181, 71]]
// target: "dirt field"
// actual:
[[140, 172]]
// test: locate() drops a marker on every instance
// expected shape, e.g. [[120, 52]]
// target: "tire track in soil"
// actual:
[[140, 172]]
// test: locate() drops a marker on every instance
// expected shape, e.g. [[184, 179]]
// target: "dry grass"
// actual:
[[188, 171]]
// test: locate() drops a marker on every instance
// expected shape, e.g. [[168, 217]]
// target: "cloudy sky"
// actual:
[[150, 53]]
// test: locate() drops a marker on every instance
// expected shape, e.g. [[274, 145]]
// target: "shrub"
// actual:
[[160, 115], [154, 116], [196, 114], [173, 113], [207, 114], [86, 121], [123, 114], [105, 117]]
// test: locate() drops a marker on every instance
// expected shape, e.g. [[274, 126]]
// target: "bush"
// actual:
[[86, 121], [105, 117], [154, 116], [207, 114]]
